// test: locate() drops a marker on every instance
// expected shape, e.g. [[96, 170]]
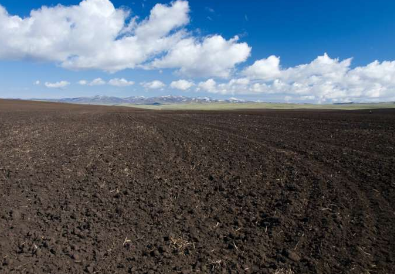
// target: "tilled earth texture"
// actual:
[[95, 189]]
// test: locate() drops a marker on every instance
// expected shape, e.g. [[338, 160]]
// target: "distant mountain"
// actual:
[[344, 103], [141, 100], [96, 100]]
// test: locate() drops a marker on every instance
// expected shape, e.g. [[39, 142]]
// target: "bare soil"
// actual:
[[94, 189]]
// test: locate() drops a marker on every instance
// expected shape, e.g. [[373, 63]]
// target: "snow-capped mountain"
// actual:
[[141, 100]]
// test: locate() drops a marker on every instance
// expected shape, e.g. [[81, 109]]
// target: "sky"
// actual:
[[304, 51]]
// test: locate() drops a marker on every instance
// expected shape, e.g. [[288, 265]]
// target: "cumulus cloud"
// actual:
[[234, 86], [37, 83], [210, 86], [83, 82], [97, 82], [213, 56], [182, 84], [323, 80], [96, 35], [264, 69], [120, 82], [117, 82], [61, 84], [153, 85]]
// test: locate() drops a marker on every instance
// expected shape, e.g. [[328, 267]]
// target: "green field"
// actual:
[[238, 106]]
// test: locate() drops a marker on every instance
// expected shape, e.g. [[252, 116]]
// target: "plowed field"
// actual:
[[89, 189]]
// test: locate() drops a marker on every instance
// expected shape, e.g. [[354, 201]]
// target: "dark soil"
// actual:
[[88, 189]]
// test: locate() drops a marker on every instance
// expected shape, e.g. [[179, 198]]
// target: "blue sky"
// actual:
[[279, 54]]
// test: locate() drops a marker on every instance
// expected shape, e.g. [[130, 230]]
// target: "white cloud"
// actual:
[[287, 98], [37, 83], [210, 86], [117, 82], [264, 69], [61, 84], [182, 84], [323, 80], [120, 82], [213, 56], [153, 85], [97, 82], [96, 35], [83, 82], [234, 86]]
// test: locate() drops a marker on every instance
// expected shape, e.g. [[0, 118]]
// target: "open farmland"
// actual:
[[256, 106], [95, 189]]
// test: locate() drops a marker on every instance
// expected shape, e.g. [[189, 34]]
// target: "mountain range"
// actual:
[[141, 100]]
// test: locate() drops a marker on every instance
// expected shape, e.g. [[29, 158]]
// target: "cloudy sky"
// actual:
[[270, 50]]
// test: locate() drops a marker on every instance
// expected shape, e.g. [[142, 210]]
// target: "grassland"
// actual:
[[238, 106]]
